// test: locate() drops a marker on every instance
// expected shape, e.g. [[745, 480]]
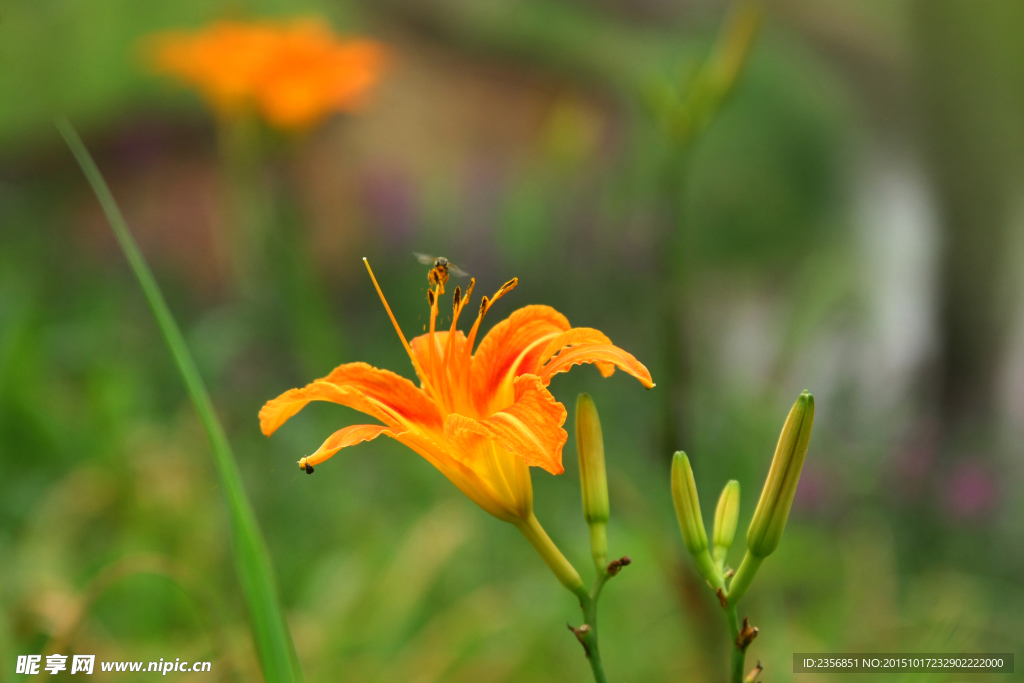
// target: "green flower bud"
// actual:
[[684, 494], [772, 511], [593, 478], [590, 447], [726, 515]]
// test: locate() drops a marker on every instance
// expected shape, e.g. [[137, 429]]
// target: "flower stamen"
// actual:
[[485, 305], [408, 349], [454, 383], [432, 295]]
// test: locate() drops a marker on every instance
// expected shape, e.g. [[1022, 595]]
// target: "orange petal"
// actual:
[[448, 369], [343, 438], [456, 456], [421, 346], [577, 335], [531, 427], [512, 347], [382, 394], [599, 354]]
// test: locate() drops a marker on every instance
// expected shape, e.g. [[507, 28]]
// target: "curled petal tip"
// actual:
[[267, 426]]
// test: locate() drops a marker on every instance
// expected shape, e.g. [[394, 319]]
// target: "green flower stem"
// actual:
[[590, 619], [599, 546], [744, 575], [252, 561], [706, 566], [552, 556], [738, 654], [737, 588], [570, 578]]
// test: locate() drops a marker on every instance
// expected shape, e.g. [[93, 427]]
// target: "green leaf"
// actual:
[[252, 562]]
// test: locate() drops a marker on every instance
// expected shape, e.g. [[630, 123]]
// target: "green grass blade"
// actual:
[[252, 561]]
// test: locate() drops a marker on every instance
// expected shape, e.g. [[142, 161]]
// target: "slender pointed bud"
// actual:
[[726, 515], [772, 511], [684, 494], [593, 477], [590, 446], [691, 524]]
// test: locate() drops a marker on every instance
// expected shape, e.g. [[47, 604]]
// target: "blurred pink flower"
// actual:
[[814, 492], [970, 491]]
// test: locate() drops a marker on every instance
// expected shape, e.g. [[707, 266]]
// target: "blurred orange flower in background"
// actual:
[[295, 73]]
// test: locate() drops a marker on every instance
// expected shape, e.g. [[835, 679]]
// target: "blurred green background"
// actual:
[[851, 222]]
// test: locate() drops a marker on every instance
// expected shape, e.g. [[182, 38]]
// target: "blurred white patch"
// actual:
[[1012, 378], [1011, 388], [900, 245], [750, 344]]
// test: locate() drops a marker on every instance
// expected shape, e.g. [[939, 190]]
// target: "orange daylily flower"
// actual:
[[295, 73], [482, 419]]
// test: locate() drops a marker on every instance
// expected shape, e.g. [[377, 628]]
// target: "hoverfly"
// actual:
[[441, 269]]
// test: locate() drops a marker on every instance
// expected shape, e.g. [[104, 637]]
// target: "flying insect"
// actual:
[[441, 268]]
